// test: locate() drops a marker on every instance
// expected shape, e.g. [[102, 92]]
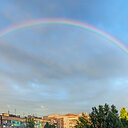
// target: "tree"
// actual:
[[49, 125], [124, 123], [30, 122], [123, 113], [83, 122], [124, 117], [101, 117]]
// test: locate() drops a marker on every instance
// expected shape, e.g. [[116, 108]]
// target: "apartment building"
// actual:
[[13, 121], [10, 120], [63, 121]]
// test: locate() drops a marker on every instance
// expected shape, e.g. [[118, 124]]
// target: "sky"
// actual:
[[58, 68]]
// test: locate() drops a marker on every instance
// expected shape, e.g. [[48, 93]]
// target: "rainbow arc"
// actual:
[[66, 22]]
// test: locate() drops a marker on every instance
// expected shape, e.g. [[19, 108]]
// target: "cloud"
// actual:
[[60, 65], [44, 108]]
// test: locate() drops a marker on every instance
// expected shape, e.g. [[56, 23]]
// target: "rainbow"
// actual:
[[66, 22]]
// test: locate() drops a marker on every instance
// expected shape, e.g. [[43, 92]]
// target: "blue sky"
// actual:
[[48, 69]]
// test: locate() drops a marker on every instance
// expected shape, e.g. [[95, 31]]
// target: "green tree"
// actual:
[[49, 125], [125, 123], [101, 117], [30, 122], [83, 122]]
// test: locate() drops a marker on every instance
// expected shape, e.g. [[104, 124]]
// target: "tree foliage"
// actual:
[[123, 113], [30, 122], [124, 117], [124, 123], [83, 122], [49, 125], [101, 117]]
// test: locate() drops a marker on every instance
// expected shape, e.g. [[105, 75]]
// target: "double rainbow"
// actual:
[[65, 22]]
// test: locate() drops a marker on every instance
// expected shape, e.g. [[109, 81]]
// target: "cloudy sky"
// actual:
[[57, 68]]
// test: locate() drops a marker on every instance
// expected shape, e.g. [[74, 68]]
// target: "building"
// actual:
[[52, 118], [9, 120], [13, 121], [63, 121], [60, 121], [39, 122]]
